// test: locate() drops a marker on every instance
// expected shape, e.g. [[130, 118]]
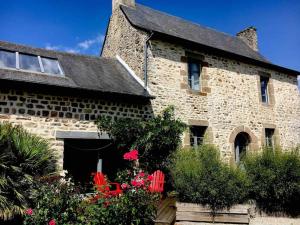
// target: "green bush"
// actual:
[[22, 157], [275, 180], [155, 138], [200, 177]]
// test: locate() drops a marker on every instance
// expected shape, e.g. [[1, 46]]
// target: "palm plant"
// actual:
[[23, 157]]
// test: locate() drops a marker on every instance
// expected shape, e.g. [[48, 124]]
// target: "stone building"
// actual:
[[59, 95], [220, 85]]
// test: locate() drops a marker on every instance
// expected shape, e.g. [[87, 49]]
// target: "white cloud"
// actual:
[[81, 47], [89, 43], [71, 50], [52, 47]]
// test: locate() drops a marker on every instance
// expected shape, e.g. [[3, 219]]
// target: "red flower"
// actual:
[[150, 177], [124, 186], [29, 212], [141, 174], [52, 222], [134, 183], [132, 155], [138, 183]]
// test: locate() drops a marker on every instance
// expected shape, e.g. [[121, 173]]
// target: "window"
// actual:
[[241, 145], [269, 137], [29, 62], [51, 66], [197, 135], [23, 61], [194, 71], [7, 59], [264, 89]]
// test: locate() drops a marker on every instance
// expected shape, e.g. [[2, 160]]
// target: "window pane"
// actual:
[[197, 135], [51, 66], [7, 59], [194, 75], [264, 89], [29, 62]]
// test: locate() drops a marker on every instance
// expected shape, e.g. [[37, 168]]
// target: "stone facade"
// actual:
[[124, 40], [230, 93], [44, 114]]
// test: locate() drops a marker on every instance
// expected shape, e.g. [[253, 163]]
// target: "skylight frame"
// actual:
[[41, 66]]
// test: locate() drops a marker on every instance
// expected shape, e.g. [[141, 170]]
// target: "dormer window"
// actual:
[[194, 72], [27, 62]]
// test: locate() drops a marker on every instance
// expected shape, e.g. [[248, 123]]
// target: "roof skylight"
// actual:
[[7, 59], [21, 61]]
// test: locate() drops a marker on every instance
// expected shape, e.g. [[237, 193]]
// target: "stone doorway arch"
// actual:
[[242, 139]]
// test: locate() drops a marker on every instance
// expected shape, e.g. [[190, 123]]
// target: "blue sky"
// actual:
[[79, 25]]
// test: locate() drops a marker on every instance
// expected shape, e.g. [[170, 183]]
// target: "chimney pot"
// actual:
[[249, 36], [117, 3]]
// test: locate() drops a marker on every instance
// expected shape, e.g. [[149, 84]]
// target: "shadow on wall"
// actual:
[[26, 102]]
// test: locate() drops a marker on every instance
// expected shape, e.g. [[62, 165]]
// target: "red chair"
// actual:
[[104, 187], [157, 183]]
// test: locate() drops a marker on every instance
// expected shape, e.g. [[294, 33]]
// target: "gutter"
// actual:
[[146, 59]]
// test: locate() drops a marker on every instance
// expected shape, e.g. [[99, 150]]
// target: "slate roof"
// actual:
[[155, 21], [80, 72]]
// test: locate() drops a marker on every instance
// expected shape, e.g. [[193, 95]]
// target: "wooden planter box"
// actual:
[[171, 211], [188, 213]]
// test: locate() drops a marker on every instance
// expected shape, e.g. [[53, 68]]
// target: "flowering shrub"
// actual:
[[137, 205], [57, 202]]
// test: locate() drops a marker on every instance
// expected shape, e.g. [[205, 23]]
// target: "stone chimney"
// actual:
[[249, 36], [117, 3]]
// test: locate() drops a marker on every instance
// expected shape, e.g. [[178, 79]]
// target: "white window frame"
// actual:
[[41, 64], [17, 61], [17, 65]]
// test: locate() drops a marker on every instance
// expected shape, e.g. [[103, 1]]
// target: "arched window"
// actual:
[[241, 145]]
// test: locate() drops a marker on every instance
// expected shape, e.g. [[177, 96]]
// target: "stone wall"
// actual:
[[43, 114], [229, 97], [124, 40]]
